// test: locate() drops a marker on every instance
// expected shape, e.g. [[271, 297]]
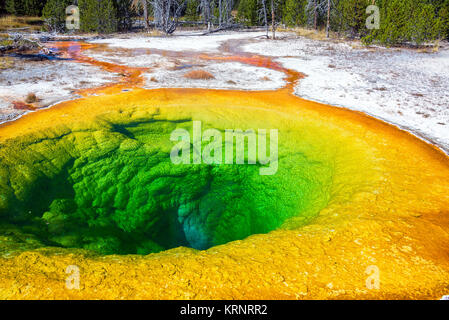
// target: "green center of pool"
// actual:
[[113, 189]]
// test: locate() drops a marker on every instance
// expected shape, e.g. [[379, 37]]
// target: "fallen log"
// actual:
[[223, 28], [22, 45]]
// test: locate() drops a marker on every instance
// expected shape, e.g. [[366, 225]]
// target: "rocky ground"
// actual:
[[405, 87], [32, 77], [50, 81]]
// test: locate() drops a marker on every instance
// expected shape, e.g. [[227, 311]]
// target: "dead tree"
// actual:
[[136, 4], [224, 12], [264, 13], [206, 11], [227, 10], [320, 9], [328, 18], [220, 2], [273, 19], [312, 12], [166, 14]]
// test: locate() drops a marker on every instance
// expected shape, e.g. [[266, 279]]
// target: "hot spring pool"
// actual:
[[91, 183]]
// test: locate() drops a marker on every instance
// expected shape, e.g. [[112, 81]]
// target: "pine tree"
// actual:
[[192, 10], [406, 21], [15, 7], [294, 12], [443, 13], [33, 7], [97, 16], [54, 14], [88, 15], [353, 16], [427, 25], [107, 17], [24, 7], [124, 14], [247, 12]]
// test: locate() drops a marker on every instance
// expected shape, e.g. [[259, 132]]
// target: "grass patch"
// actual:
[[13, 22], [6, 63], [6, 42], [311, 33], [199, 75], [154, 33]]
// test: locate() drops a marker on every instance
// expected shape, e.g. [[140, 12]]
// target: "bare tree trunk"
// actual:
[[166, 14], [219, 13], [273, 20], [145, 14], [229, 4], [206, 9], [328, 17], [315, 18], [136, 5], [265, 17]]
